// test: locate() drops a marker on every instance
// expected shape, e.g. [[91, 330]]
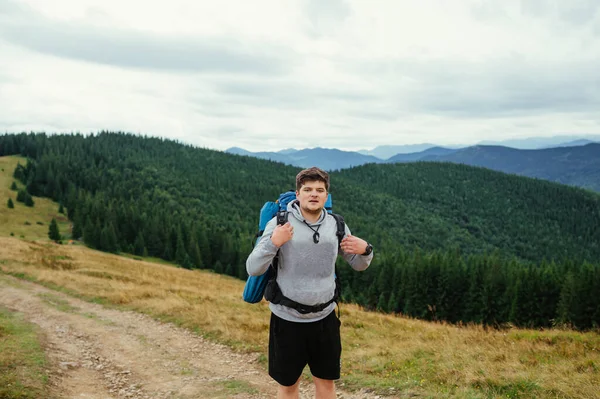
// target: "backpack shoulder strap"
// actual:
[[282, 217], [341, 227]]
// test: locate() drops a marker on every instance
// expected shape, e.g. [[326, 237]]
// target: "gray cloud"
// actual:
[[287, 94], [262, 93], [492, 89], [509, 89], [326, 16], [579, 12], [376, 114], [575, 12], [347, 75], [137, 50]]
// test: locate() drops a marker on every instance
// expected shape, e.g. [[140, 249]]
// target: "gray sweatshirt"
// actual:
[[306, 270]]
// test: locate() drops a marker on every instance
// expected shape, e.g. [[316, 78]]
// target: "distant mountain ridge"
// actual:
[[573, 143], [388, 151], [325, 158], [574, 163], [536, 143], [418, 156]]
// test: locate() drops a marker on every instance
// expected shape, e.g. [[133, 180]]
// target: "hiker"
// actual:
[[307, 248]]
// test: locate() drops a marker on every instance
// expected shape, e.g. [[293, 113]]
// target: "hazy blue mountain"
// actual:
[[576, 166], [330, 158], [324, 158], [238, 151], [273, 156], [532, 143], [573, 143], [416, 156], [287, 151], [387, 151]]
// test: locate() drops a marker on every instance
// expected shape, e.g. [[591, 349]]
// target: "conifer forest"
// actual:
[[452, 242]]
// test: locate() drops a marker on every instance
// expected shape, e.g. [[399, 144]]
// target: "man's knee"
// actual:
[[289, 391], [324, 387]]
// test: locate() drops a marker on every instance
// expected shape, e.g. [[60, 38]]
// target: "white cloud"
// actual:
[[266, 75]]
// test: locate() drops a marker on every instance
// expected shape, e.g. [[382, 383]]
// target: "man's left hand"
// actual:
[[353, 245]]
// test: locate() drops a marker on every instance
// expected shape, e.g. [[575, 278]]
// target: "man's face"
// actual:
[[312, 196]]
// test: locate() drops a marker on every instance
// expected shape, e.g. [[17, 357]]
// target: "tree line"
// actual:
[[482, 289]]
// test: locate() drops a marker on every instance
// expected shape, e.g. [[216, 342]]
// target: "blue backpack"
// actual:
[[256, 285]]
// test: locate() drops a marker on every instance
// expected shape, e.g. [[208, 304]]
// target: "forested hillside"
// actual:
[[453, 242], [444, 205], [573, 165]]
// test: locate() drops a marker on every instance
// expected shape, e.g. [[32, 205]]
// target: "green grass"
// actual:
[[22, 359], [230, 388], [58, 303]]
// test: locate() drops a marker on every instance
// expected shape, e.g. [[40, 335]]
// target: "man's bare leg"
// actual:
[[325, 389], [291, 392]]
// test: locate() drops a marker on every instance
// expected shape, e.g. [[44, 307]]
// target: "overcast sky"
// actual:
[[268, 75]]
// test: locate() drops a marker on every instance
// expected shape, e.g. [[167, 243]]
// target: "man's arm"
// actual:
[[352, 249], [265, 250]]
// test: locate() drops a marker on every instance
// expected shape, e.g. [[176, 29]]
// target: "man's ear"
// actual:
[[297, 193]]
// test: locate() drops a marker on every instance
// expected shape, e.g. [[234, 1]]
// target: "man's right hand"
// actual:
[[282, 234]]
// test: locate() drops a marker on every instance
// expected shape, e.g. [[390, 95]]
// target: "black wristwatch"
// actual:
[[368, 250]]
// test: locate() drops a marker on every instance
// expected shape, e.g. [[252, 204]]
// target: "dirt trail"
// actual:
[[100, 353]]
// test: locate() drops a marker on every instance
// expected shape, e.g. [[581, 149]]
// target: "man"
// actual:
[[307, 247]]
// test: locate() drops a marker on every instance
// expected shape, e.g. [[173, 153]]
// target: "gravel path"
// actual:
[[99, 353]]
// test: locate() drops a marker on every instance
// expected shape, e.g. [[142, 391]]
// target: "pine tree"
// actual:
[[77, 230], [204, 247], [91, 234], [29, 200], [108, 239], [13, 186], [61, 209], [140, 245], [347, 294], [195, 256], [21, 195], [218, 267], [382, 304], [241, 272], [568, 297], [180, 252], [53, 232], [10, 203], [392, 305]]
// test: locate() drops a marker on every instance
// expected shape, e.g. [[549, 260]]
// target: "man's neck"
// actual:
[[309, 217]]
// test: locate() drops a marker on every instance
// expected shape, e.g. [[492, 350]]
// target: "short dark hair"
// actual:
[[312, 174]]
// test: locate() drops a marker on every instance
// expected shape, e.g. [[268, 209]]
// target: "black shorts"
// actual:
[[294, 345]]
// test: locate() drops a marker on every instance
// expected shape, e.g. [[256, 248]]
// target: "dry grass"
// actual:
[[384, 352], [388, 353]]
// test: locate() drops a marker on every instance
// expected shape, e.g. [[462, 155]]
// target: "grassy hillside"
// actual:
[[20, 221], [387, 353]]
